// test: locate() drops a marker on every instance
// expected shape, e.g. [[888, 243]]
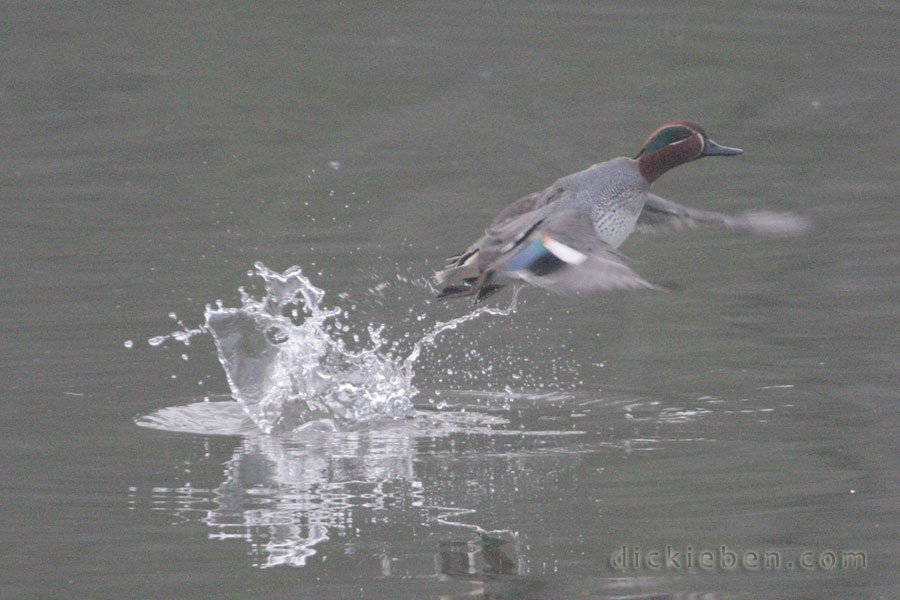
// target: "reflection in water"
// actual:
[[486, 563], [287, 499], [287, 496], [459, 559], [423, 498]]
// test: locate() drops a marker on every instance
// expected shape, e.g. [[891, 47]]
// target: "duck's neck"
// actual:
[[653, 164]]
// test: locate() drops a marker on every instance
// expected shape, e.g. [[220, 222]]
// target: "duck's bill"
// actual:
[[710, 148]]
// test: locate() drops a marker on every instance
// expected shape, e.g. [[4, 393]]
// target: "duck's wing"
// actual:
[[465, 264], [660, 214], [559, 251], [529, 203]]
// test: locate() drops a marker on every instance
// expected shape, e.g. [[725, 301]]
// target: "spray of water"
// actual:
[[289, 369]]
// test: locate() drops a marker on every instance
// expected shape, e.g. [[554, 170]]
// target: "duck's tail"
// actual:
[[479, 291]]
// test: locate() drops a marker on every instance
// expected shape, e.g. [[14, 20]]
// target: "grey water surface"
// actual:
[[733, 438]]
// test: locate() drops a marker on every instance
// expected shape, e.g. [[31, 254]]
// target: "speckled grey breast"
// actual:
[[613, 193]]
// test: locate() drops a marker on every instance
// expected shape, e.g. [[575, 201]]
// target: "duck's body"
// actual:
[[564, 237], [611, 194]]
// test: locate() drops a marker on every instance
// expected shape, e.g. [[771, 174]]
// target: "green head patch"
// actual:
[[666, 136]]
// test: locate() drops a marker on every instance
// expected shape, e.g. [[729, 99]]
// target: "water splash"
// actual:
[[288, 364]]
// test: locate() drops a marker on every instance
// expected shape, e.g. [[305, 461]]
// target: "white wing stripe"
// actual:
[[564, 253]]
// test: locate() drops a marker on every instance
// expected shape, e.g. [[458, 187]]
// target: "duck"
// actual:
[[565, 238]]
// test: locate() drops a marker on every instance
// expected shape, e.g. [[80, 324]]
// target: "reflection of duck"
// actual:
[[497, 560], [564, 238], [496, 571], [459, 558]]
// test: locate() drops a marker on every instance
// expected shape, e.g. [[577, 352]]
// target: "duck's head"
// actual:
[[677, 143]]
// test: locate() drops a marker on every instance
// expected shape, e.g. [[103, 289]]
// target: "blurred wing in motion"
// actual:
[[660, 214]]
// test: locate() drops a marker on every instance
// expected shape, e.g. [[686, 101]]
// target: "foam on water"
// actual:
[[289, 367]]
